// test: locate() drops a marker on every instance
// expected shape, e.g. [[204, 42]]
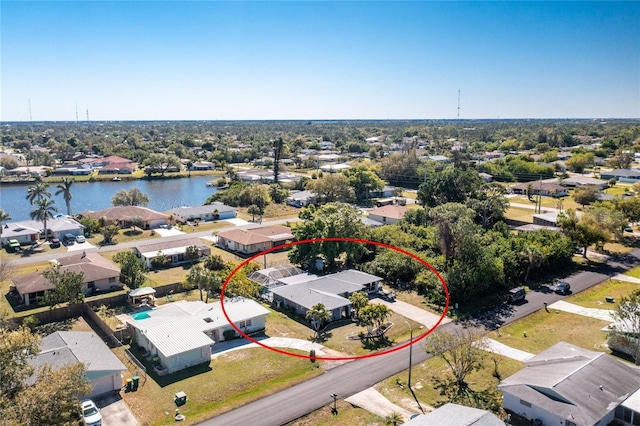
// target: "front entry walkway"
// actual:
[[407, 310], [275, 342], [502, 349]]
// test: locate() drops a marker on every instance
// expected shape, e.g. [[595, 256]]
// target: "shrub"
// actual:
[[229, 334]]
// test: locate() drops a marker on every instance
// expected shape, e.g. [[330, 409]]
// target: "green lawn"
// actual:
[[595, 296], [635, 272], [125, 235], [426, 376], [229, 381], [519, 214], [347, 415], [544, 330]]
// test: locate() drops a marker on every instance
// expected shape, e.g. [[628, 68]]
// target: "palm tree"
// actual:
[[37, 192], [3, 216], [317, 315], [393, 419], [64, 188], [44, 210]]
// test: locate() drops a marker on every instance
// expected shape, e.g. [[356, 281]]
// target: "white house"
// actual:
[[30, 231], [571, 386], [181, 334], [456, 415], [104, 369], [209, 212], [388, 214], [174, 250]]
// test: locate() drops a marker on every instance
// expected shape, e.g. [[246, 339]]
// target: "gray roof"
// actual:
[[456, 415], [307, 297], [206, 209], [68, 347], [574, 383], [634, 173]]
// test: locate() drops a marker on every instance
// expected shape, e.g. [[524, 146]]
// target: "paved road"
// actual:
[[25, 258], [353, 377]]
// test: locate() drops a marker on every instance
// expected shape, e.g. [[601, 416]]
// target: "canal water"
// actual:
[[164, 194]]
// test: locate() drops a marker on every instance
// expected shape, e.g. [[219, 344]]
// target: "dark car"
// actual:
[[563, 288], [517, 295], [54, 243], [387, 295]]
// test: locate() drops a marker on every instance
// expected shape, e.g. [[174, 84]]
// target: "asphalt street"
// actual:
[[355, 376]]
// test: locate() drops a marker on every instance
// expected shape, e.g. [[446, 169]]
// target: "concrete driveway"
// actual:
[[80, 246], [114, 411], [407, 310]]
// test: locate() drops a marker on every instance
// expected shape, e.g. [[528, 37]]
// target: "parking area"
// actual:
[[114, 411]]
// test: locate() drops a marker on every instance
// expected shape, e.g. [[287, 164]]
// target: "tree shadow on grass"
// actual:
[[485, 399], [132, 232], [376, 342]]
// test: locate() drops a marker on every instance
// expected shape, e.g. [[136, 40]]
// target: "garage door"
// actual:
[[105, 384]]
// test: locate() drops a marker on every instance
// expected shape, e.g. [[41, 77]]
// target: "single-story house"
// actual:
[[203, 165], [253, 240], [623, 175], [104, 369], [386, 192], [30, 231], [123, 168], [543, 188], [174, 250], [530, 227], [301, 198], [209, 212], [438, 158], [485, 177], [584, 180], [123, 215], [287, 286], [75, 170], [181, 334], [334, 168], [99, 274], [388, 215], [545, 219], [569, 385], [456, 415]]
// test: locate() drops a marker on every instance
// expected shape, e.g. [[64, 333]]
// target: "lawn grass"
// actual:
[[635, 272], [176, 274], [595, 296], [204, 226], [272, 212], [544, 330], [567, 202], [347, 415], [227, 382], [519, 214], [425, 377], [125, 235]]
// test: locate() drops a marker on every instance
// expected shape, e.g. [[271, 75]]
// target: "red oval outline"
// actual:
[[336, 239]]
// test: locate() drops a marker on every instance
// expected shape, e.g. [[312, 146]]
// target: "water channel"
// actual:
[[163, 195]]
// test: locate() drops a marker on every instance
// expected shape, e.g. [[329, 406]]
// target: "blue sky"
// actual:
[[207, 60]]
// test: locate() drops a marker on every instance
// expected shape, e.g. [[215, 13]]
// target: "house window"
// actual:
[[525, 403], [623, 413], [246, 323], [112, 280], [91, 284]]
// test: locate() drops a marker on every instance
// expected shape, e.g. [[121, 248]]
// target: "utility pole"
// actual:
[[458, 104], [410, 352]]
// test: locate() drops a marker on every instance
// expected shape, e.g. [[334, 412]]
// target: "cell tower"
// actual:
[[77, 113], [87, 115], [30, 117], [458, 104]]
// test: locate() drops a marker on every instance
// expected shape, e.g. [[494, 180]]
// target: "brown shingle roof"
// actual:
[[125, 213], [257, 235], [390, 211]]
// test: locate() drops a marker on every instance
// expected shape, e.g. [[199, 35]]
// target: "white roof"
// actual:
[[142, 291], [179, 327]]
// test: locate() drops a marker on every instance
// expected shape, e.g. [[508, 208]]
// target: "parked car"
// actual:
[[12, 245], [516, 295], [90, 413], [54, 243], [68, 239], [563, 288], [628, 228], [80, 239], [387, 295]]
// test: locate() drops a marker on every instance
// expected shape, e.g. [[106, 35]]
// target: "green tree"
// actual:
[[278, 146], [134, 197], [451, 185], [192, 253], [4, 216], [160, 260], [363, 180], [67, 287], [585, 194], [374, 317], [393, 419], [254, 211], [35, 405], [332, 187], [108, 232], [214, 263], [43, 212], [277, 193], [132, 269], [626, 326], [37, 192], [578, 162], [204, 280], [161, 163], [583, 232], [91, 225], [462, 349], [533, 258], [317, 316], [328, 221], [358, 300], [16, 348], [64, 188]]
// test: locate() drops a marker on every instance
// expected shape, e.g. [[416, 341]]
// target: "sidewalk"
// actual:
[[627, 278], [601, 314], [373, 401]]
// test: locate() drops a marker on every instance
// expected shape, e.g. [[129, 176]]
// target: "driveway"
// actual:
[[237, 222], [114, 411], [163, 232], [601, 314], [407, 310], [373, 401], [80, 246]]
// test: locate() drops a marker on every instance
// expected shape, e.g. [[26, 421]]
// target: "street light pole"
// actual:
[[334, 410], [410, 350]]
